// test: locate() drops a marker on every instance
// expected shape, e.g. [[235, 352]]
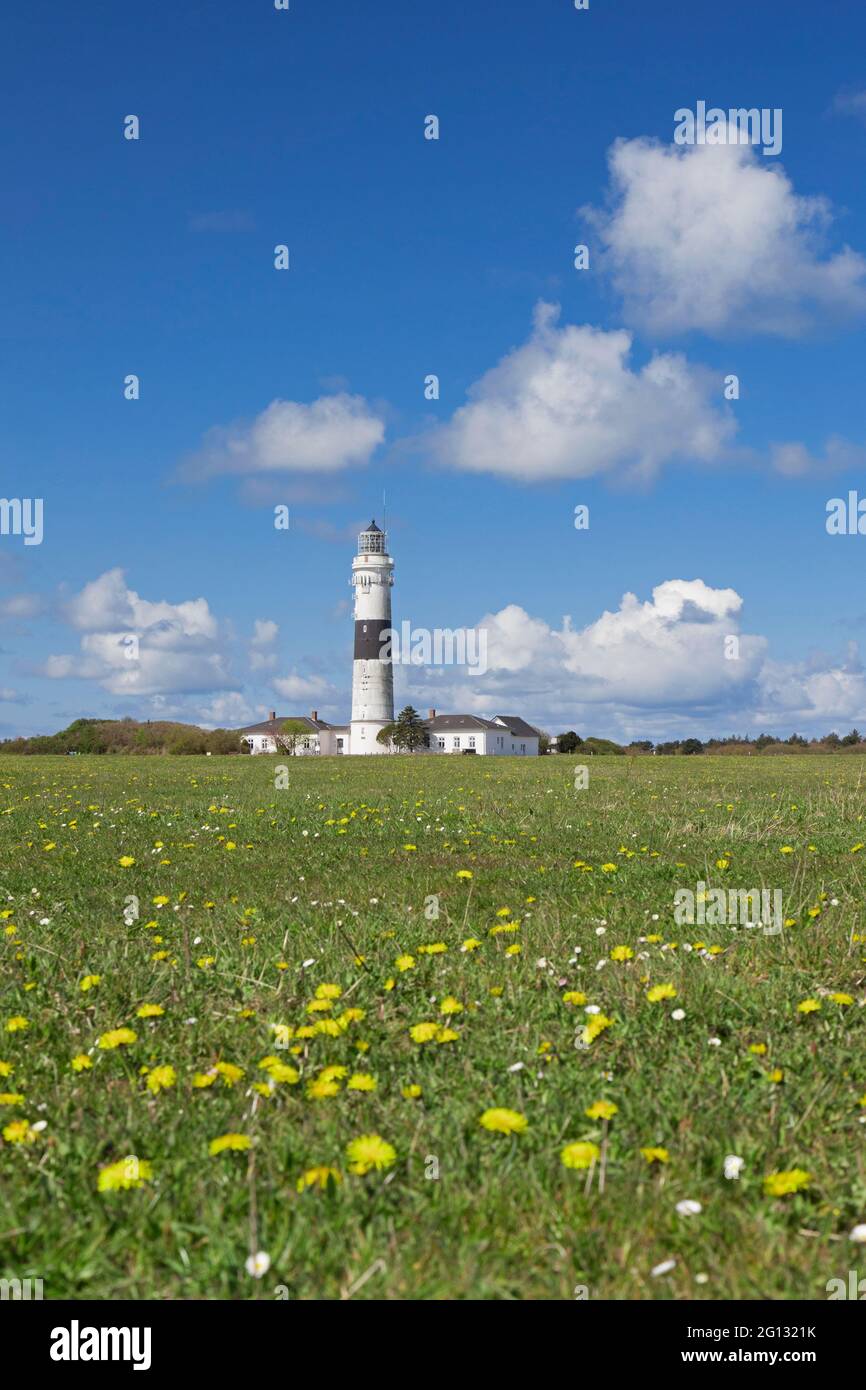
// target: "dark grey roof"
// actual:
[[373, 527], [517, 725], [458, 721], [275, 726]]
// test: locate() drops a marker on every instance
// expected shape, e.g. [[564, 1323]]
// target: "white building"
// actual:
[[373, 688], [469, 733]]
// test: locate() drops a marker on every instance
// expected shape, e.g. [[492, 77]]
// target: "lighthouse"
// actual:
[[372, 675]]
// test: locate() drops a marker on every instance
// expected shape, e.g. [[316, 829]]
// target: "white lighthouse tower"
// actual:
[[372, 675]]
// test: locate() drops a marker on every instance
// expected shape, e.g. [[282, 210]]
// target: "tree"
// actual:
[[290, 731], [568, 742], [409, 732], [850, 739], [692, 745], [385, 736]]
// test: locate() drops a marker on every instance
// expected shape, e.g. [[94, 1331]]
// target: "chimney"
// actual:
[[273, 714], [314, 715], [431, 714]]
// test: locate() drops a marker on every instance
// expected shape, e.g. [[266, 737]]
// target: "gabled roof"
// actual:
[[458, 721], [516, 725], [275, 726]]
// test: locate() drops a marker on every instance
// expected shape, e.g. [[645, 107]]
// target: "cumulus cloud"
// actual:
[[713, 237], [656, 668], [295, 687], [567, 404], [661, 659], [794, 459], [264, 632], [133, 646], [20, 607], [332, 433]]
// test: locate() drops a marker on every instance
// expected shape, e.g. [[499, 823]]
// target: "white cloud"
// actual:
[[653, 669], [712, 237], [229, 710], [851, 103], [132, 646], [794, 459], [21, 607], [264, 632], [295, 687], [568, 405], [334, 432]]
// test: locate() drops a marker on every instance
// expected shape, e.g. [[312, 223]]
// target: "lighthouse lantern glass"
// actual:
[[371, 543]]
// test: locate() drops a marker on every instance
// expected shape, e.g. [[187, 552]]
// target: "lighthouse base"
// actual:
[[364, 738]]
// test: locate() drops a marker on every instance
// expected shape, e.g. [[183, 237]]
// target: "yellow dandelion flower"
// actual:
[[652, 1154], [412, 1092], [203, 1079], [471, 944], [149, 1011], [405, 963], [574, 996], [842, 999], [127, 1173], [319, 1177], [17, 1024], [284, 1075], [82, 1062], [463, 873], [90, 982], [423, 1032], [622, 953], [326, 991], [11, 1098], [361, 1081], [601, 1110], [808, 1006], [116, 1037], [322, 1090], [450, 1005], [20, 1132], [161, 1079], [126, 861], [579, 1155], [595, 1027], [783, 1184], [229, 1072], [659, 992], [229, 1142], [370, 1151], [501, 1120]]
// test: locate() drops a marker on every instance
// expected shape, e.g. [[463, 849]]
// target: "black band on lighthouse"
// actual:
[[368, 638]]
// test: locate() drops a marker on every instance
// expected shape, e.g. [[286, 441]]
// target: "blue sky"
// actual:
[[408, 257]]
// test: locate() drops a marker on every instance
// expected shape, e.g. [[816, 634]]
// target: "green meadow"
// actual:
[[427, 1028]]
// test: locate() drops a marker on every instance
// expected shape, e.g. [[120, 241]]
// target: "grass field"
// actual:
[[270, 923]]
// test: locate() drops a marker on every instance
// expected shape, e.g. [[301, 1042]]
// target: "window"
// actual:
[[456, 742], [471, 740], [440, 743], [523, 747]]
